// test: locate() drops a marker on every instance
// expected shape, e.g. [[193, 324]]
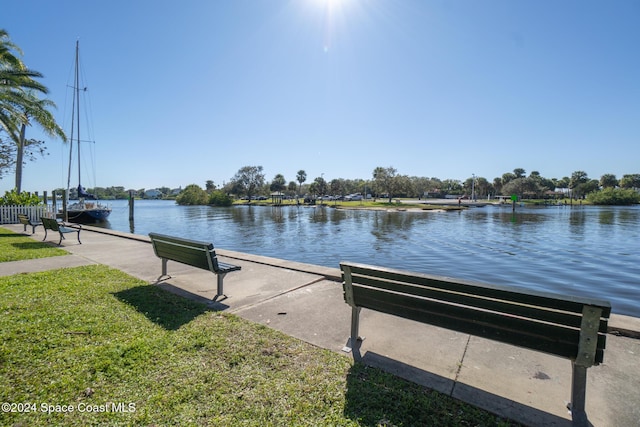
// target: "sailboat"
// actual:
[[82, 210]]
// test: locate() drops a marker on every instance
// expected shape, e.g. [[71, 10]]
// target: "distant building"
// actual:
[[153, 194]]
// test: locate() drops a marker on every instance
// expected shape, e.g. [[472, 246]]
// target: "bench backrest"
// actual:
[[570, 327], [191, 252], [50, 223]]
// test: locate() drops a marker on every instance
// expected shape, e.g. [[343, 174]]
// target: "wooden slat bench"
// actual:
[[53, 225], [25, 220], [570, 327], [191, 252]]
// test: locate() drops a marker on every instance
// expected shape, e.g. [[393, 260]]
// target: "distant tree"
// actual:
[[404, 186], [220, 198], [452, 186], [313, 188], [336, 187], [630, 181], [523, 187], [353, 186], [497, 185], [578, 177], [99, 192], [248, 179], [301, 177], [608, 181], [386, 181], [576, 183], [614, 196], [192, 195], [292, 187], [469, 186], [320, 186], [506, 177], [420, 185], [563, 183], [519, 173], [543, 184], [278, 183], [209, 186], [589, 186], [480, 187]]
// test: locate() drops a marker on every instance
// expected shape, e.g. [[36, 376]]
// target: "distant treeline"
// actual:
[[113, 193], [386, 182]]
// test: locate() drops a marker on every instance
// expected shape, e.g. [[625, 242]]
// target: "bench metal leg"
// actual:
[[220, 286], [354, 340], [578, 395], [355, 323], [45, 235], [164, 275], [164, 267]]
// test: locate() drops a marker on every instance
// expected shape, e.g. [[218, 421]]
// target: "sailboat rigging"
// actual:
[[81, 210]]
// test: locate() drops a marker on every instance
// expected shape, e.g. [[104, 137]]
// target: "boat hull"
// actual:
[[88, 215], [88, 212]]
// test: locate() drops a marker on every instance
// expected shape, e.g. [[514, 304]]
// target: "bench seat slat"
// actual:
[[224, 267], [471, 297], [543, 337], [553, 301]]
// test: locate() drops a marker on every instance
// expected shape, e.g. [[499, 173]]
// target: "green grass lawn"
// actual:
[[118, 351], [16, 247]]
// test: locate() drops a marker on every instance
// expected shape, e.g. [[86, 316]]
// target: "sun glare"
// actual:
[[330, 9]]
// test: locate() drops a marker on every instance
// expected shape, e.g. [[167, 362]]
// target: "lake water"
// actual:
[[580, 250]]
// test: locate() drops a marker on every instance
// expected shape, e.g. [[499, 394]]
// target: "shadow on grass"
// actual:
[[162, 307], [384, 391], [30, 245], [13, 235]]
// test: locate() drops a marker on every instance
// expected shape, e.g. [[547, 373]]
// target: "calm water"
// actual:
[[591, 251]]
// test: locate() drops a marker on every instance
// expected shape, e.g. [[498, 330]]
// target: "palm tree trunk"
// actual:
[[19, 158]]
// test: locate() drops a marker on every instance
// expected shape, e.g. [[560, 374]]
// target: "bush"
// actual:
[[219, 198], [614, 196], [192, 195], [13, 198]]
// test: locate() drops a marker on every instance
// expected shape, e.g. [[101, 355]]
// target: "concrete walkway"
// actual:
[[305, 301]]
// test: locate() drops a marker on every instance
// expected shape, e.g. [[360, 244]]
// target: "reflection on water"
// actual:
[[581, 250]]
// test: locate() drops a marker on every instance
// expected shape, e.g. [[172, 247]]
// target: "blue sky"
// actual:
[[183, 92]]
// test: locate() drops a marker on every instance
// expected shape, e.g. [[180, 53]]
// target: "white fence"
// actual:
[[9, 214]]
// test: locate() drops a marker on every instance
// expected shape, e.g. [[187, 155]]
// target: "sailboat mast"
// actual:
[[77, 86], [75, 107]]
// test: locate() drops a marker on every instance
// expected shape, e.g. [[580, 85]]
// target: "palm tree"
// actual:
[[19, 105], [301, 177], [15, 77]]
